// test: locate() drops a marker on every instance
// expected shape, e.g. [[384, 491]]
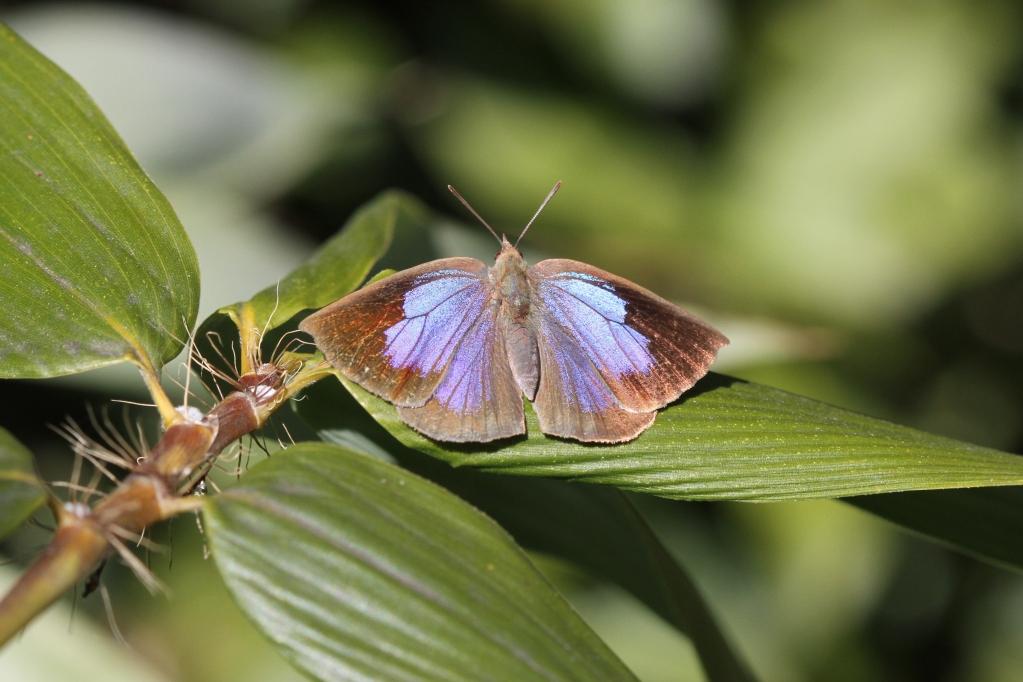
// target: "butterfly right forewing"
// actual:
[[611, 352]]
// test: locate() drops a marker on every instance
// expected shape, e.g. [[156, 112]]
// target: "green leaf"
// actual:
[[336, 268], [732, 440], [602, 532], [20, 491], [359, 569], [986, 524], [596, 528], [94, 266]]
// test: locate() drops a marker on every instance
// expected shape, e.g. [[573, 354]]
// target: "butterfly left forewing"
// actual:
[[395, 337], [646, 350]]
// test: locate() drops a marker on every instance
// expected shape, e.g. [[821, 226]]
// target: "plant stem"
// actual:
[[76, 548], [249, 339], [151, 493], [164, 405]]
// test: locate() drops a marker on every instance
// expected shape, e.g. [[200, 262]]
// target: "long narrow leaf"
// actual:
[[257, 325], [732, 440], [986, 524], [336, 268]]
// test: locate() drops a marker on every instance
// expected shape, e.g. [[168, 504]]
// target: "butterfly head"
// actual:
[[506, 247], [508, 258]]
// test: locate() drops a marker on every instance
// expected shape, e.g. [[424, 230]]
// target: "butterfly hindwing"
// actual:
[[610, 348], [573, 400], [477, 400], [424, 340]]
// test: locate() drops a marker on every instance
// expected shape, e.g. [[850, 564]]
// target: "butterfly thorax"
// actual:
[[510, 279], [511, 282]]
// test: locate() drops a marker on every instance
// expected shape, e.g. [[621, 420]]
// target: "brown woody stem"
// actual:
[[149, 494], [77, 546]]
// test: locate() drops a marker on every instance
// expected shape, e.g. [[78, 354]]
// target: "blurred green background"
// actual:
[[836, 185]]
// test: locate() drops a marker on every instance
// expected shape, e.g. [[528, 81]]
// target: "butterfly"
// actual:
[[455, 345]]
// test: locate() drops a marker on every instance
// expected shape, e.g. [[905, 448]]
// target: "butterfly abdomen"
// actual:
[[523, 354]]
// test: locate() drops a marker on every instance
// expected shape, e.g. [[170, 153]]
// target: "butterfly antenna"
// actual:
[[473, 211], [543, 205]]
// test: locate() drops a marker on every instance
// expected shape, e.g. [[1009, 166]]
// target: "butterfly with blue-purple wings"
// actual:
[[456, 345]]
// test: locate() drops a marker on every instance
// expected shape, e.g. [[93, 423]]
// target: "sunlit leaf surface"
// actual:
[[359, 569], [95, 266]]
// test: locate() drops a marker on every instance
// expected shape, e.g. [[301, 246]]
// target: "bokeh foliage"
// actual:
[[835, 180]]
